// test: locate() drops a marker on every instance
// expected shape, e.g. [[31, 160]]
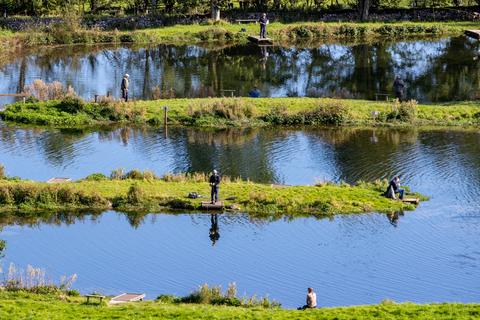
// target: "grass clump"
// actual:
[[34, 280], [213, 295], [334, 113]]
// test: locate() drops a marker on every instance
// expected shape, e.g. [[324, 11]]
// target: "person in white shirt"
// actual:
[[311, 300]]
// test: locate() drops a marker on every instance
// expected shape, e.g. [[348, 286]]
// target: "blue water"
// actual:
[[431, 254]]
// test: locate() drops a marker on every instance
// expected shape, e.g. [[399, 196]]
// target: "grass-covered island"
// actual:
[[242, 112], [73, 31], [23, 305], [143, 191]]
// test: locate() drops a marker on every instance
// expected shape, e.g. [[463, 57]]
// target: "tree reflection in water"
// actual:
[[434, 70]]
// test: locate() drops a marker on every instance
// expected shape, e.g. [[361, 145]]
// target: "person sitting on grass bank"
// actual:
[[311, 300], [393, 188], [263, 25], [254, 93], [214, 182], [124, 87]]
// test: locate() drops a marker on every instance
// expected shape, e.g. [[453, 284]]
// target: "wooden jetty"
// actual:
[[127, 297], [58, 180], [473, 34], [260, 41], [212, 206], [411, 200]]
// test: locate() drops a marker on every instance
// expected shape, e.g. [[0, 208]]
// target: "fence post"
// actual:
[[165, 120]]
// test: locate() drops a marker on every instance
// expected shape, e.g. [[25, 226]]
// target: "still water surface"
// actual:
[[431, 254], [434, 70]]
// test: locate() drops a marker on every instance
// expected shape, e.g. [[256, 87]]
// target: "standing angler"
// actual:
[[214, 182], [263, 25], [124, 87]]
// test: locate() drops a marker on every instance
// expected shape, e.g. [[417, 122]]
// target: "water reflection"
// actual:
[[214, 232], [434, 70]]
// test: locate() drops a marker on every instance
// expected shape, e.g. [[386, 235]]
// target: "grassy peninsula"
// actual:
[[21, 305], [243, 112], [71, 31], [143, 191]]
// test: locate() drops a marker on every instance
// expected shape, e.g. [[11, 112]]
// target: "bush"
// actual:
[[334, 113], [96, 177], [167, 298], [230, 109], [71, 105], [2, 172], [135, 194], [403, 111], [213, 295], [117, 174], [6, 196], [134, 174]]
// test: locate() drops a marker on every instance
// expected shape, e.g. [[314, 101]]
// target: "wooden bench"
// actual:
[[94, 296], [224, 91], [239, 21], [379, 95]]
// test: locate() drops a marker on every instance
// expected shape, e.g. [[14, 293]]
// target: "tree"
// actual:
[[364, 7]]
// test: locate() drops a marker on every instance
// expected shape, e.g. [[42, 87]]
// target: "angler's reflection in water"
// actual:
[[214, 230], [393, 217], [265, 54]]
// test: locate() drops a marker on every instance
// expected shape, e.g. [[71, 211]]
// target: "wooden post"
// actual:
[[165, 120]]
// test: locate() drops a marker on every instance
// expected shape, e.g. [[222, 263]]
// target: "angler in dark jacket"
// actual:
[[263, 25], [394, 187], [214, 183]]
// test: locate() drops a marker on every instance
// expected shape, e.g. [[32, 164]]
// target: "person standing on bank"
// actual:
[[214, 182], [263, 25], [399, 88], [124, 87]]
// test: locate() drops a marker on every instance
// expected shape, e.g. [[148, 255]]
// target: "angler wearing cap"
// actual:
[[214, 182], [124, 87]]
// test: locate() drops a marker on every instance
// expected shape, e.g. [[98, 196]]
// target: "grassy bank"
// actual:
[[24, 305], [73, 33], [243, 112], [143, 191]]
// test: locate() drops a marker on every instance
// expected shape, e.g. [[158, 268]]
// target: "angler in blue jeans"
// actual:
[[214, 183], [394, 187]]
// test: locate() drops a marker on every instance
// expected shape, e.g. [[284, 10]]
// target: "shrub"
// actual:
[[403, 111], [96, 177], [230, 109], [334, 113], [2, 172], [6, 196], [39, 90], [71, 105], [66, 195], [135, 194], [117, 174], [35, 280], [213, 295], [73, 293], [167, 298], [134, 174]]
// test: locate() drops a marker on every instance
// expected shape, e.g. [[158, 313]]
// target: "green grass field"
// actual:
[[244, 112], [31, 306]]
